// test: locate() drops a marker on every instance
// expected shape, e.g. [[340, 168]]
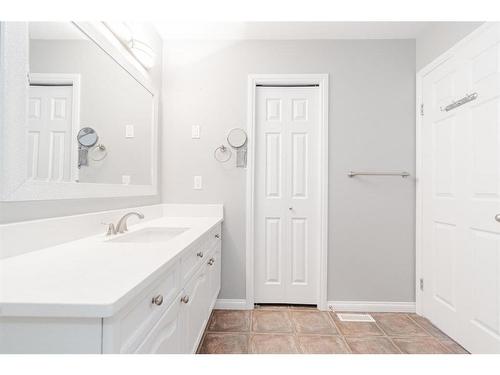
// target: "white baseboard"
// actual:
[[231, 304], [372, 306]]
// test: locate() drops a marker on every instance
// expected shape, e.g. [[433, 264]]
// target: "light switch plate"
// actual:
[[129, 131], [125, 180], [195, 131], [197, 182]]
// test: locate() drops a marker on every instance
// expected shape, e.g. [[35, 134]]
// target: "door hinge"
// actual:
[[422, 109], [422, 284]]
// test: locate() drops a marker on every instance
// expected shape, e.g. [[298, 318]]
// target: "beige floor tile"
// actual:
[[316, 344], [273, 344], [420, 345], [272, 321], [313, 322], [428, 326], [356, 328], [394, 324], [230, 321], [371, 345], [272, 307], [304, 307], [225, 343], [453, 347]]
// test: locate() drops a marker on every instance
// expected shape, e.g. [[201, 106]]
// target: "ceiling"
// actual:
[[290, 30]]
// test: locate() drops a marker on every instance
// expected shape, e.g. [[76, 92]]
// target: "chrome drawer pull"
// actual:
[[200, 254], [497, 217], [211, 262], [158, 300], [217, 236], [185, 299]]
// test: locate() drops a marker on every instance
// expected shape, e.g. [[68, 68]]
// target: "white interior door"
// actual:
[[287, 229], [50, 133], [461, 195]]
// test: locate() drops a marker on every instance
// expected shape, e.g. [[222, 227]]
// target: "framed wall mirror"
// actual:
[[79, 117]]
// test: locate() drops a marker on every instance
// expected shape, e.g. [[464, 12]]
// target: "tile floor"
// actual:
[[299, 329]]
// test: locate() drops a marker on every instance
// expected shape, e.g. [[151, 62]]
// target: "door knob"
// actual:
[[497, 217]]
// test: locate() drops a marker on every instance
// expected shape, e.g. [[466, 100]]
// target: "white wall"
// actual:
[[440, 37], [19, 211], [372, 126]]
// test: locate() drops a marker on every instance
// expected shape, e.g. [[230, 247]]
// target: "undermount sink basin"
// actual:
[[150, 234]]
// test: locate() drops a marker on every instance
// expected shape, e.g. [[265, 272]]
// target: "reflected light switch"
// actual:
[[195, 131], [125, 180], [197, 182], [129, 131]]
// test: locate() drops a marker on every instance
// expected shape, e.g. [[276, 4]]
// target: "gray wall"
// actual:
[[19, 211], [372, 126], [440, 37]]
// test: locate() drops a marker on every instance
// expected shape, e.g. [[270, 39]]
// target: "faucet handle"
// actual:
[[111, 228]]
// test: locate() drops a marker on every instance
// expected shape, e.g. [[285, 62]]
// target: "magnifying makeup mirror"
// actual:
[[237, 139], [87, 138]]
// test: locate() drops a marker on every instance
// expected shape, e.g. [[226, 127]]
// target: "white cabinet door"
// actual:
[[167, 336], [194, 310], [461, 195], [287, 195]]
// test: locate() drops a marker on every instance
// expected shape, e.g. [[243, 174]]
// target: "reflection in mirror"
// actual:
[[79, 96], [87, 137]]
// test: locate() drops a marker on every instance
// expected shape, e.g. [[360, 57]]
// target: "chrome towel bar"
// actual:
[[400, 174], [466, 99]]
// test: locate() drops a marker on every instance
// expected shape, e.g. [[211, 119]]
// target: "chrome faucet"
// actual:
[[121, 227]]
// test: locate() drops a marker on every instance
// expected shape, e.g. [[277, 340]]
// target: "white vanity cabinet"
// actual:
[[167, 316], [187, 290]]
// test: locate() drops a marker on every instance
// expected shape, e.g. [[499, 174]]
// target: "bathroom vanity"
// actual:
[[70, 132], [149, 290]]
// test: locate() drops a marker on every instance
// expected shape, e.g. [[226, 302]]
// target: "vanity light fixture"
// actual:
[[141, 51]]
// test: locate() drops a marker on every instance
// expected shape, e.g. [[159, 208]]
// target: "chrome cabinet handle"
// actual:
[[290, 208], [200, 254], [497, 217], [217, 236], [211, 262], [185, 299], [158, 300]]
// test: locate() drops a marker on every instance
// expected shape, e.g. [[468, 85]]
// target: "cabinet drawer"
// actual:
[[193, 259], [129, 328]]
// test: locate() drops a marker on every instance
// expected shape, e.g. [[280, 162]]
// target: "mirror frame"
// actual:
[[14, 85]]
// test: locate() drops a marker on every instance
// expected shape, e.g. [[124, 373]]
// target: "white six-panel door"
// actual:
[[50, 134], [287, 229], [461, 195]]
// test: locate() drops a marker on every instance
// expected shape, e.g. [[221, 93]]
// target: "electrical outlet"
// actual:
[[125, 180], [197, 183], [195, 131]]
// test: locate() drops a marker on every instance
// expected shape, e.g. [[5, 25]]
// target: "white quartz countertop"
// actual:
[[91, 277]]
